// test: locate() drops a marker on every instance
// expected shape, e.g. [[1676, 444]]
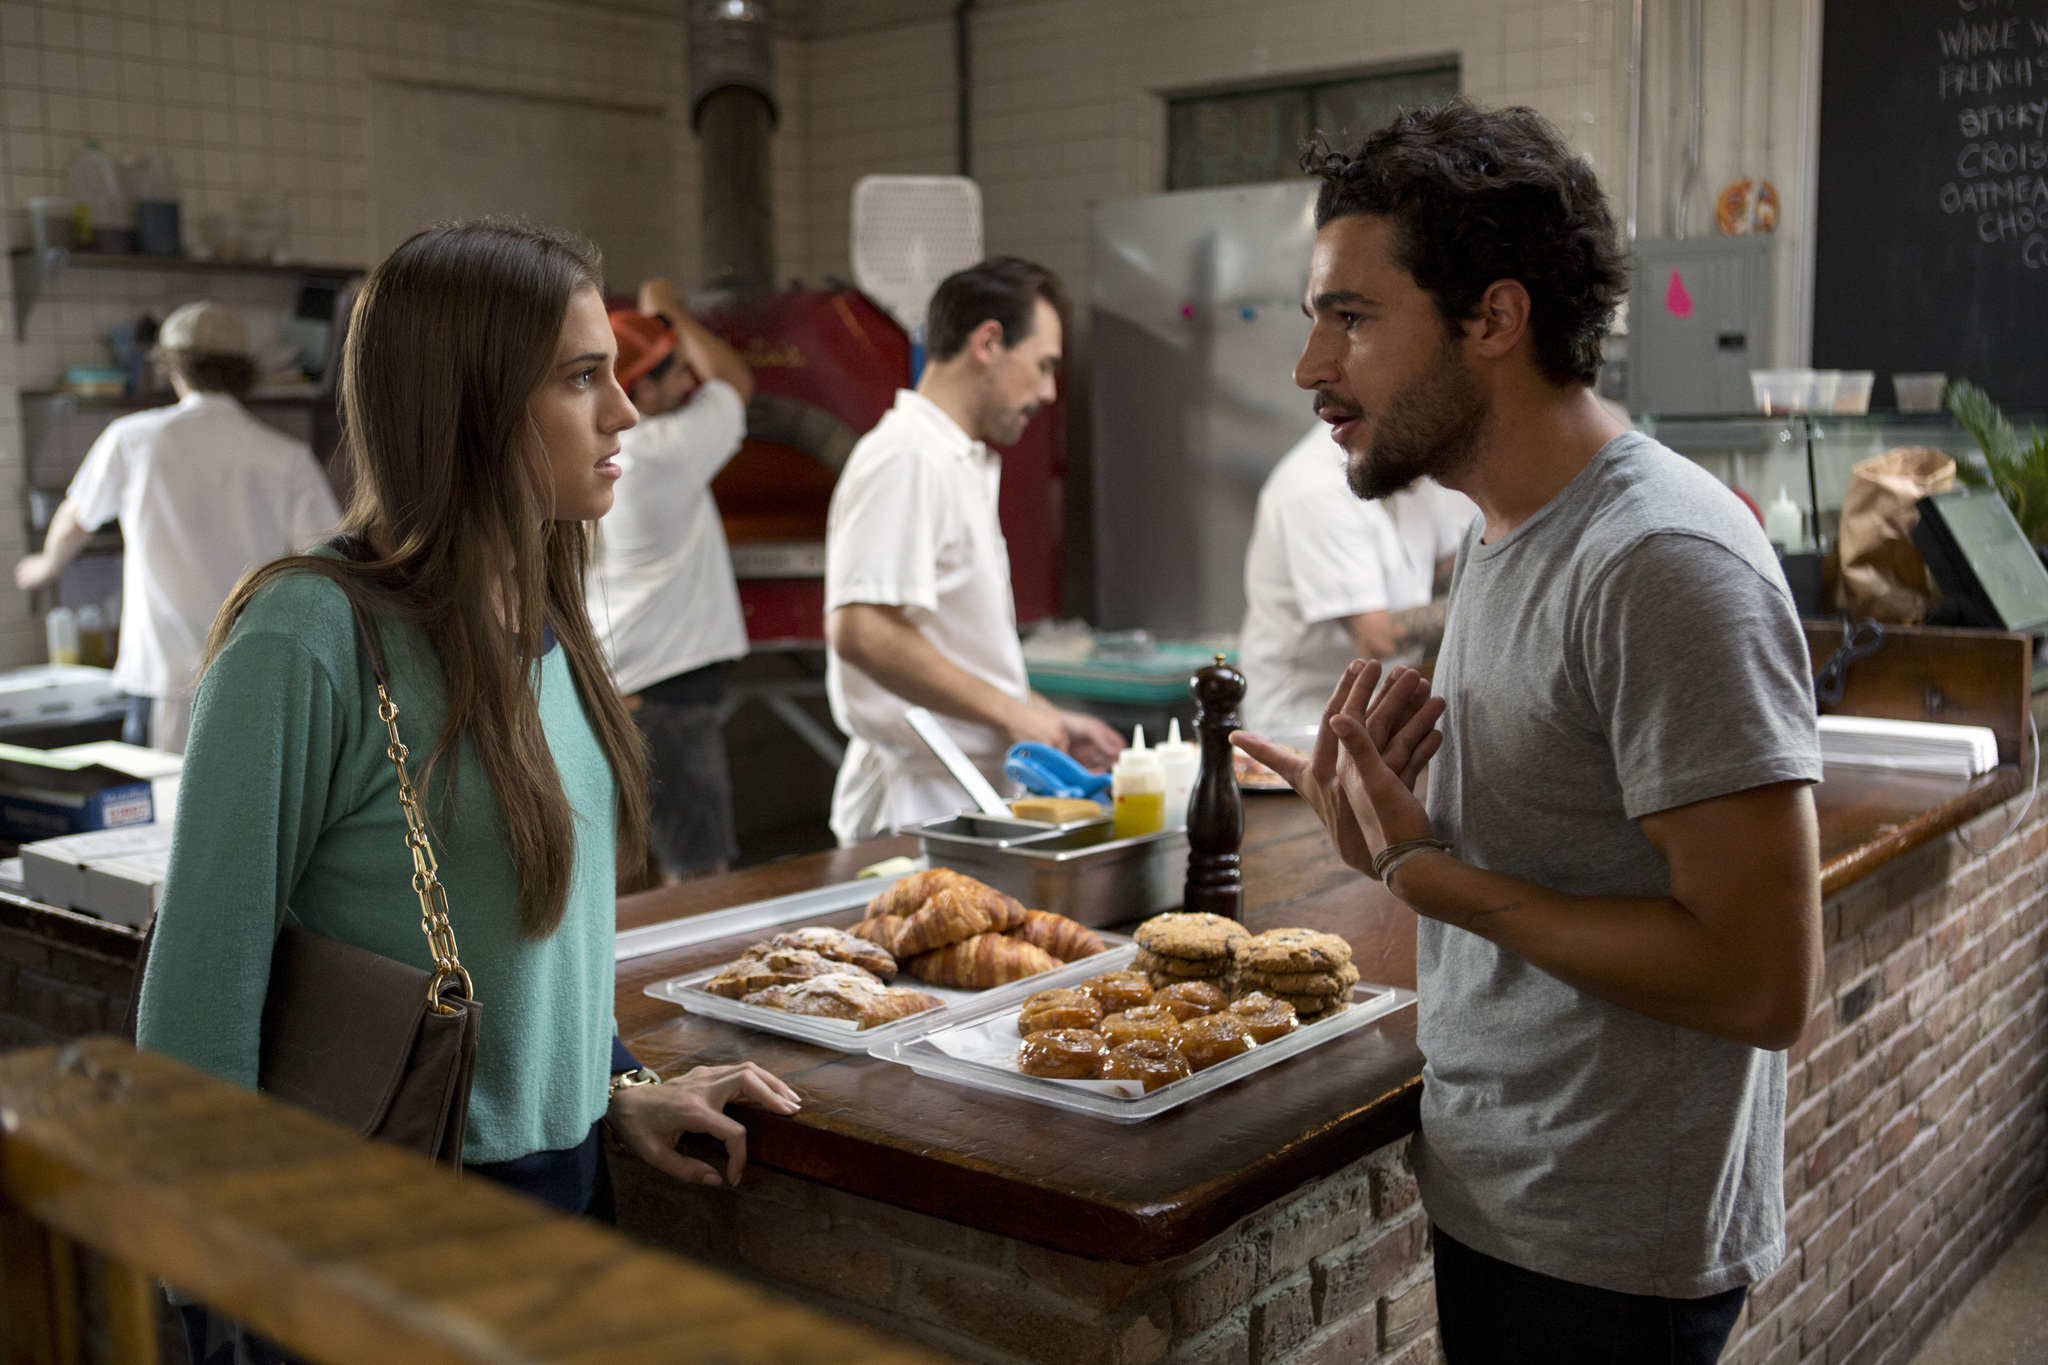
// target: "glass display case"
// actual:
[[1810, 456]]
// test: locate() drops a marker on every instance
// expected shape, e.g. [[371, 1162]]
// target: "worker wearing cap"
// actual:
[[662, 595], [204, 492]]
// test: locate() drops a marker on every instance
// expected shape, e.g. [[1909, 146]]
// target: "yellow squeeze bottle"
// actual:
[[1137, 787]]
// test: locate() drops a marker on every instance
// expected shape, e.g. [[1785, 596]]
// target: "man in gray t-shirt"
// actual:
[[1617, 867]]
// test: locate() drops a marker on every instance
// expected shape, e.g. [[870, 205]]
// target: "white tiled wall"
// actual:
[[1067, 106], [1068, 109], [251, 97], [879, 104], [248, 96]]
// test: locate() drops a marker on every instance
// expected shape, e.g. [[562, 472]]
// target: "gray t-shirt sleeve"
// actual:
[[1698, 669]]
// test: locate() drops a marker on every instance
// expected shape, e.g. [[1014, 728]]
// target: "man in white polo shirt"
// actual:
[[1330, 577], [917, 574], [662, 595], [204, 493]]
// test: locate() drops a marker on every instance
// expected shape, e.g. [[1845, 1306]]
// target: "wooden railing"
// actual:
[[343, 1251]]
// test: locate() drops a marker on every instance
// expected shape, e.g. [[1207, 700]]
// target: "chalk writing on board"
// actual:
[[1992, 69]]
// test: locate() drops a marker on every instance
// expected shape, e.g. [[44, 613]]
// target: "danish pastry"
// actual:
[[1067, 1054], [834, 995], [757, 971], [836, 945], [1146, 1021], [1214, 1038], [1147, 1061], [1189, 999], [1264, 1016], [1119, 990], [1059, 1009]]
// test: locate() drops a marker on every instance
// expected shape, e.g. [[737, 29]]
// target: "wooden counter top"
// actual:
[[1145, 1192], [1868, 818], [1137, 1193]]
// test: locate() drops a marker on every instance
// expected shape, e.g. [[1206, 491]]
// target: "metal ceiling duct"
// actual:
[[732, 107]]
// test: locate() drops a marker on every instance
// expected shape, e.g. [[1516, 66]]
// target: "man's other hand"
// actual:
[[1034, 722], [1369, 752], [1093, 744], [35, 571]]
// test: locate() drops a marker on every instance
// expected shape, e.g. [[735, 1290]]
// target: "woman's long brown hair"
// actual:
[[449, 340]]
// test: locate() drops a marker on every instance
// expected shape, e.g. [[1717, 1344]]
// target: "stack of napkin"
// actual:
[[1908, 746]]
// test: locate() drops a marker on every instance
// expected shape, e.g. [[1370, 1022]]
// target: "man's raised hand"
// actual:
[[1369, 751]]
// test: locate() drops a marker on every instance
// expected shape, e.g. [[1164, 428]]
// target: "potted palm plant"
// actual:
[[2017, 469]]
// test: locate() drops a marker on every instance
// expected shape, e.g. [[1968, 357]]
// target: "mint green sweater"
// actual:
[[289, 807]]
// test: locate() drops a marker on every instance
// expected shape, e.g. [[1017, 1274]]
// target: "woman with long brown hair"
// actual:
[[481, 416]]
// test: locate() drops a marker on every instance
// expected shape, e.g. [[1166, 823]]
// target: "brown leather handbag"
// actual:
[[376, 1045]]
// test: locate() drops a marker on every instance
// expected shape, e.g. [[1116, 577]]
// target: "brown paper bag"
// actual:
[[1883, 576]]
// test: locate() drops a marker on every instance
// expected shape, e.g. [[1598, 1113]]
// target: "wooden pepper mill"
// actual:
[[1215, 810]]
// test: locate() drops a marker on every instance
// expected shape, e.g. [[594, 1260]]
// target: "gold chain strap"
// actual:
[[426, 880]]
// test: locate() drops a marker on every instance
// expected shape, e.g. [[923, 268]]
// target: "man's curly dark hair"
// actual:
[[1479, 195]]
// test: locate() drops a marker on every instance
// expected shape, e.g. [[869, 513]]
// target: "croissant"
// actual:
[[913, 891], [956, 913], [1065, 939], [982, 961], [880, 930]]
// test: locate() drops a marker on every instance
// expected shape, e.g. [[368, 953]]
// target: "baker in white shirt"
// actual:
[[204, 493], [661, 594], [1331, 577], [918, 610]]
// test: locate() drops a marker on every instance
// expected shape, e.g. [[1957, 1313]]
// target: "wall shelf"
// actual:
[[256, 398], [1823, 447], [33, 270]]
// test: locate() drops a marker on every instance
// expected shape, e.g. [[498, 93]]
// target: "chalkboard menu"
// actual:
[[1931, 245]]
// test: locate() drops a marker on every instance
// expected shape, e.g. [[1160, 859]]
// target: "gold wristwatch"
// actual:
[[639, 1075]]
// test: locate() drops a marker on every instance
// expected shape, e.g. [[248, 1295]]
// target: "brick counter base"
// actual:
[[1335, 1274], [1917, 1102], [61, 975]]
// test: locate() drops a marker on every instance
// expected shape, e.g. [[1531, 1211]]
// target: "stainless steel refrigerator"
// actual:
[[1197, 324]]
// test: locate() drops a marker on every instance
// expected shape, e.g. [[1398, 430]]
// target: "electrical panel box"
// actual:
[[1699, 316]]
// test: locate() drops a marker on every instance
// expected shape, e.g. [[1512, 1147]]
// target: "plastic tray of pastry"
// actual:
[[844, 1034], [920, 1048]]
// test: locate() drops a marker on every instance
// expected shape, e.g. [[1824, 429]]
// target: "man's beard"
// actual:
[[1430, 428], [1005, 426]]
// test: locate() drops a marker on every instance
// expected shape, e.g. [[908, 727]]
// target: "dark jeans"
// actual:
[[689, 815], [1493, 1313]]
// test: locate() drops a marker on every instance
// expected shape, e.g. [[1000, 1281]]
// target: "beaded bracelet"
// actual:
[[1393, 855]]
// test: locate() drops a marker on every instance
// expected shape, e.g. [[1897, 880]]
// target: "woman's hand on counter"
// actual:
[[1369, 752], [650, 1119]]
